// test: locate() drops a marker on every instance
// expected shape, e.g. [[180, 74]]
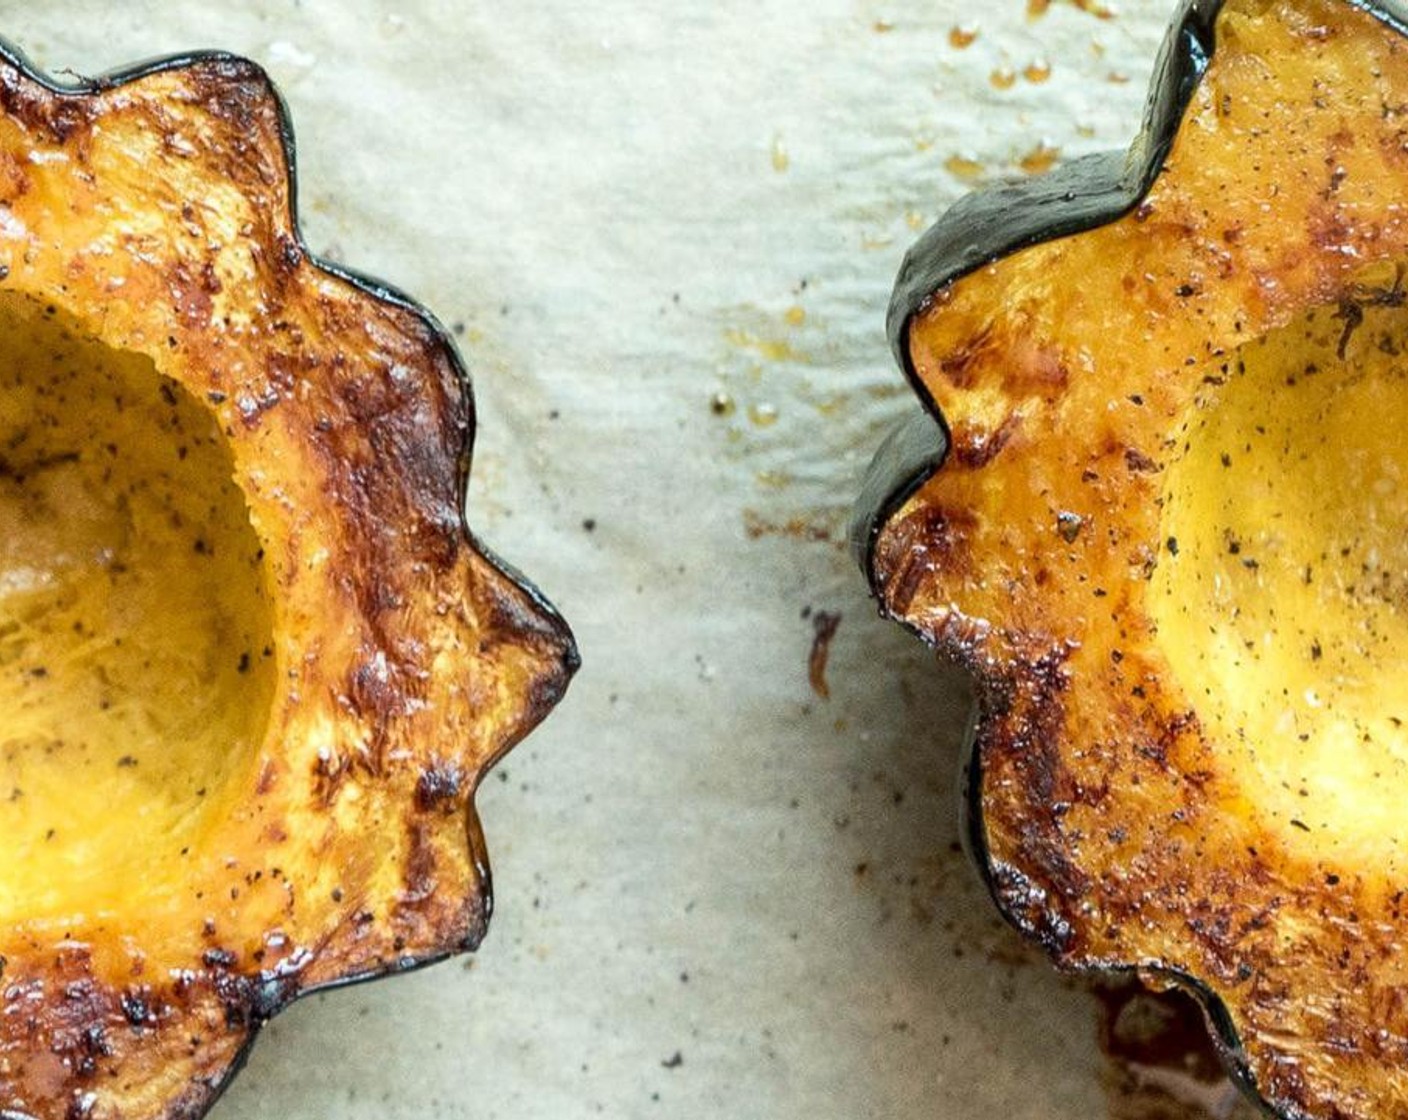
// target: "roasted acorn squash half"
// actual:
[[1169, 537], [252, 664]]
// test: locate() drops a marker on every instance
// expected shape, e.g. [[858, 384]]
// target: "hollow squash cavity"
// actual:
[[136, 669], [1282, 601]]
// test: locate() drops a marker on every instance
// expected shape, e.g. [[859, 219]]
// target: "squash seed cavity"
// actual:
[[1284, 609], [136, 674]]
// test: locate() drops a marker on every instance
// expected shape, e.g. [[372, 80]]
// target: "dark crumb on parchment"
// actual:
[[824, 627]]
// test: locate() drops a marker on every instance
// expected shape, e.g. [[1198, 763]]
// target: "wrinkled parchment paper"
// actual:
[[665, 236]]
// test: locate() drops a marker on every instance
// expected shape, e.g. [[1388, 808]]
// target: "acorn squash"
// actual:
[[252, 664], [1159, 512]]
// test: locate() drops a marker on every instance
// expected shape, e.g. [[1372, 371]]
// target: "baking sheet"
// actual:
[[664, 236]]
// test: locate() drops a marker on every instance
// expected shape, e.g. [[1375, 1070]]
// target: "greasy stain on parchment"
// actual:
[[1160, 1062], [799, 405]]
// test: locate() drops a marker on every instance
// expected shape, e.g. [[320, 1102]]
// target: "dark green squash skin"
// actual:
[[981, 228], [275, 994]]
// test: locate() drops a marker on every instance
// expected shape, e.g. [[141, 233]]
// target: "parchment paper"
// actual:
[[665, 235]]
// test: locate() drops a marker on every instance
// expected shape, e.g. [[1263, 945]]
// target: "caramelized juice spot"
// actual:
[[1037, 71], [962, 36], [763, 414], [781, 161], [1095, 8], [1040, 159], [963, 167]]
